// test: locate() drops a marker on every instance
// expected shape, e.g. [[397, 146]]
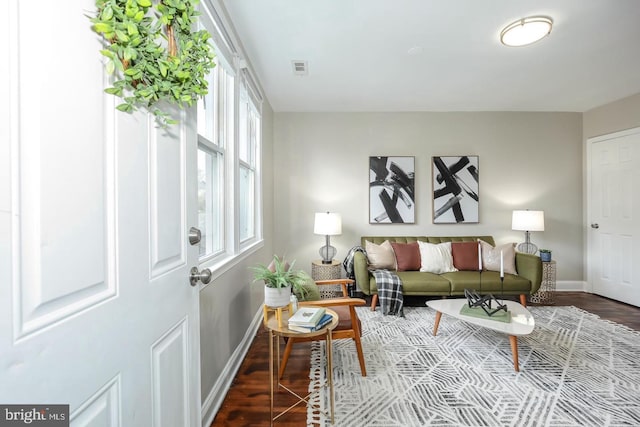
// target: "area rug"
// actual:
[[575, 370]]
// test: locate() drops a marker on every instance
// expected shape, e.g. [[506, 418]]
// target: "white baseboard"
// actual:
[[218, 392], [571, 286]]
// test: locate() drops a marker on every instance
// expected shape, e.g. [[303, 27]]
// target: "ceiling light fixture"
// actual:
[[526, 31]]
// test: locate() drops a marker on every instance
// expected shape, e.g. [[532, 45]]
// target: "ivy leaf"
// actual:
[[110, 67], [144, 3], [138, 16], [132, 29], [122, 36], [127, 108], [163, 69], [107, 13], [101, 27], [129, 53], [113, 91]]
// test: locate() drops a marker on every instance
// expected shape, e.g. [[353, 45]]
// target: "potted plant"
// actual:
[[279, 278], [545, 255]]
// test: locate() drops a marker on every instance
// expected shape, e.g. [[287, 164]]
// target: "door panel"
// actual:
[[96, 308], [614, 203]]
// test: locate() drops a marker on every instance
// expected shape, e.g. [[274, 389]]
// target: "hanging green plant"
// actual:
[[154, 53]]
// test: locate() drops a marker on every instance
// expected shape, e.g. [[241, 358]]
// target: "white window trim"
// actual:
[[229, 58]]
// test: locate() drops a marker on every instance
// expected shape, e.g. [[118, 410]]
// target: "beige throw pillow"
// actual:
[[380, 256], [436, 258], [491, 257]]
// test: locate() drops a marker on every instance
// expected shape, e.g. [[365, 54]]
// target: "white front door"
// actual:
[[614, 216], [96, 308]]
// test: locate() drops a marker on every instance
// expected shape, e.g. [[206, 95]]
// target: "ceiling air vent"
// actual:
[[300, 68]]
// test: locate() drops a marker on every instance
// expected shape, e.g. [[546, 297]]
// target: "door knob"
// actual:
[[596, 225], [204, 276]]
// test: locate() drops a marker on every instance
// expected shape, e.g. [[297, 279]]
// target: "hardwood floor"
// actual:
[[247, 402]]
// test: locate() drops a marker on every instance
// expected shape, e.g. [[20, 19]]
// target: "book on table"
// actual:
[[324, 321], [307, 316]]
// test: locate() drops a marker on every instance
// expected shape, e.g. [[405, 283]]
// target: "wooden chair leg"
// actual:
[[374, 302], [285, 356], [523, 300], [363, 368]]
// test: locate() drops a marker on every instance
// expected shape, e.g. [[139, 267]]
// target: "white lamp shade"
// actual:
[[328, 224], [527, 220]]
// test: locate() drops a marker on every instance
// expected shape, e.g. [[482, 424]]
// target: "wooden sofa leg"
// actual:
[[523, 300], [374, 302]]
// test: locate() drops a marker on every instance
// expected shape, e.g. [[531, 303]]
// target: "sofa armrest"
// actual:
[[530, 267], [360, 268]]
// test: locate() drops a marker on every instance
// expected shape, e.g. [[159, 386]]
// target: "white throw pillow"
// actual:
[[380, 256], [491, 257], [436, 258]]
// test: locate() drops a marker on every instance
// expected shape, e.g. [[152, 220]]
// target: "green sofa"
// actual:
[[526, 282]]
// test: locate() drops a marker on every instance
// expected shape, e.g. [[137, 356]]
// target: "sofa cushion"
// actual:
[[461, 280], [380, 256], [436, 258], [466, 256], [419, 283], [491, 257], [513, 285], [407, 256]]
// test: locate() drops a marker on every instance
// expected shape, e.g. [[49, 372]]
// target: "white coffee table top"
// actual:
[[522, 322]]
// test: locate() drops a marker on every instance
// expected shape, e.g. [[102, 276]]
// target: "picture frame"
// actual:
[[392, 190], [455, 183]]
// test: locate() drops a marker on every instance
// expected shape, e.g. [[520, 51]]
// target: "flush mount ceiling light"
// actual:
[[526, 31]]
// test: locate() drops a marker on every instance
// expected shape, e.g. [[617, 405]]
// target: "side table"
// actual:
[[320, 271], [280, 329], [547, 291]]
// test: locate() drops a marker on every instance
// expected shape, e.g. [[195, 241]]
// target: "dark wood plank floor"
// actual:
[[247, 402]]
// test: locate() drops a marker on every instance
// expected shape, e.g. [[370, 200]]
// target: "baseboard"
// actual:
[[218, 392], [571, 286]]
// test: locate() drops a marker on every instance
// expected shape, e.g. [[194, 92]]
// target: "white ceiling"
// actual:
[[359, 60]]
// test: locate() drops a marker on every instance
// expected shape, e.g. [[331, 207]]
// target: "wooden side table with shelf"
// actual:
[[547, 291], [320, 271]]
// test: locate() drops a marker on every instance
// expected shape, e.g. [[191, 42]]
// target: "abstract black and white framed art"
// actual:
[[455, 189], [391, 189]]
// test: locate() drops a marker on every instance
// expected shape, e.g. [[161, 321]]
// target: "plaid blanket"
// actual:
[[389, 292], [348, 261]]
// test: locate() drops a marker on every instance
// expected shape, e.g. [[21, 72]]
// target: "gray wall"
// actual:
[[527, 161]]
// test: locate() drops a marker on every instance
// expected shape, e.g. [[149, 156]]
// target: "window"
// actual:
[[229, 138], [247, 155], [215, 135]]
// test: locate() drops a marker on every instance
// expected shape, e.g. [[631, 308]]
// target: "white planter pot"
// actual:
[[277, 297]]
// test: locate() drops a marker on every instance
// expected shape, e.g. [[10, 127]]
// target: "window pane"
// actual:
[[206, 106], [246, 204], [210, 209]]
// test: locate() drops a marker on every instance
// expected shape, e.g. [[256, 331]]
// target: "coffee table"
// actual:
[[522, 322]]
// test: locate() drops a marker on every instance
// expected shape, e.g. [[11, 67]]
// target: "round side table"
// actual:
[[278, 328], [547, 291]]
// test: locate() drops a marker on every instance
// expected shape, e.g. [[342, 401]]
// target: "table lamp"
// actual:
[[328, 224], [527, 221]]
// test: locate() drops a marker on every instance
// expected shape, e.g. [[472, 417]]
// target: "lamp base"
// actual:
[[527, 248], [327, 253]]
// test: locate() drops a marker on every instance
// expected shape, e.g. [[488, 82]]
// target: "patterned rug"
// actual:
[[575, 370]]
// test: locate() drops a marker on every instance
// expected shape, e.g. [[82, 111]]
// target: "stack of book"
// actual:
[[309, 319]]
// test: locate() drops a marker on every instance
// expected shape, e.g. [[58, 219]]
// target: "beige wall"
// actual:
[[616, 116], [527, 161]]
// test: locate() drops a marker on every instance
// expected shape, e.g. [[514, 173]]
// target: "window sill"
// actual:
[[221, 265]]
